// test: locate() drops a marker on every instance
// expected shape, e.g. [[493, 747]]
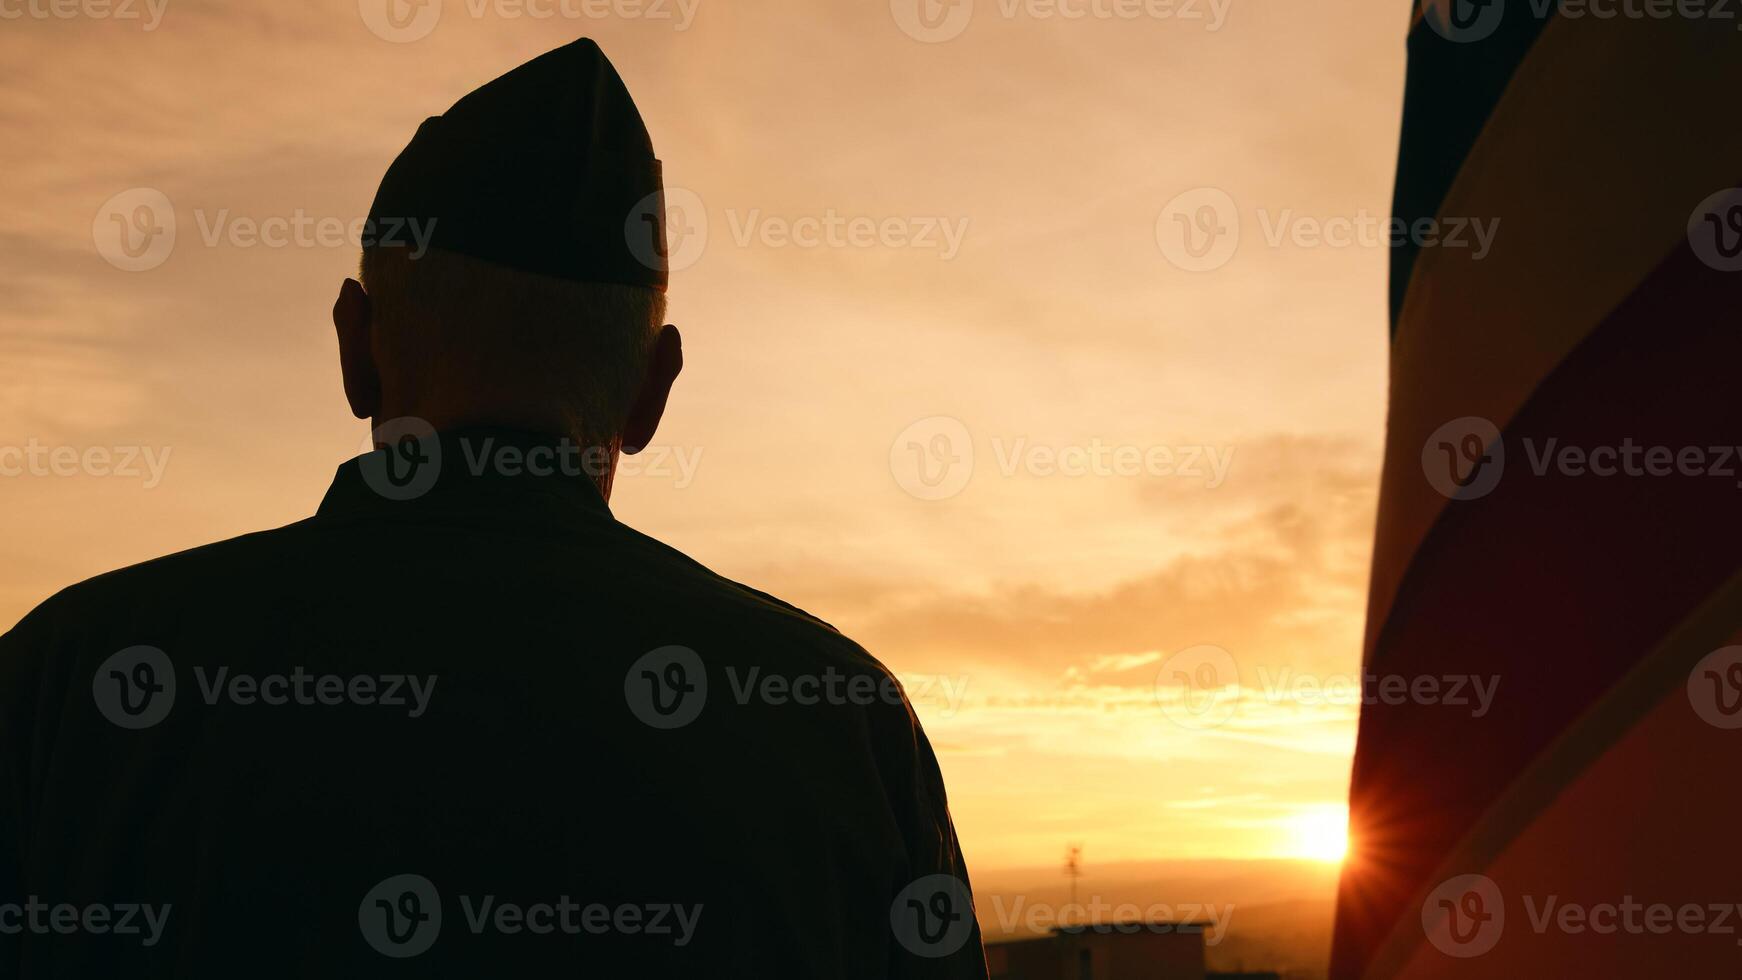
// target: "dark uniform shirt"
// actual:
[[481, 731]]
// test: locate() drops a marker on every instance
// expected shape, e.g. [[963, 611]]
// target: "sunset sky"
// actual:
[[1021, 298]]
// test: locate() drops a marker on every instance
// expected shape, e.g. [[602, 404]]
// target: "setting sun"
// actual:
[[1320, 833]]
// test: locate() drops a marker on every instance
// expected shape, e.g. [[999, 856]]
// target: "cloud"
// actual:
[[1279, 580]]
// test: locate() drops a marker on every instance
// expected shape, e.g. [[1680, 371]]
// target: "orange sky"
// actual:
[[1010, 271]]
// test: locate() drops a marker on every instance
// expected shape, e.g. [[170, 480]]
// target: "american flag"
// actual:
[[1561, 507]]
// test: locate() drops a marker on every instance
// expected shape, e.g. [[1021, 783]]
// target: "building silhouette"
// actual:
[[1110, 951], [1104, 951]]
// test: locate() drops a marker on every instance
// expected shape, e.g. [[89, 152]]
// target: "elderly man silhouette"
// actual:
[[461, 722]]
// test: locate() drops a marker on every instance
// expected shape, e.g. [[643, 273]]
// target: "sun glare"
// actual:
[[1320, 833]]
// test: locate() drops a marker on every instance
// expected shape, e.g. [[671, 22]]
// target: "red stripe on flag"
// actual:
[[1555, 583]]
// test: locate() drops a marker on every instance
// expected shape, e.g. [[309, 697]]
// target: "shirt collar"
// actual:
[[469, 468]]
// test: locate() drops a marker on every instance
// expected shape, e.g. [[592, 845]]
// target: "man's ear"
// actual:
[[351, 318], [649, 407]]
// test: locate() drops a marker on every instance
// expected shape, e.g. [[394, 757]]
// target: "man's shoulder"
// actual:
[[229, 560], [104, 608], [299, 559], [756, 616]]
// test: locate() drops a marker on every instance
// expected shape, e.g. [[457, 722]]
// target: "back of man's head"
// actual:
[[456, 340], [514, 272]]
